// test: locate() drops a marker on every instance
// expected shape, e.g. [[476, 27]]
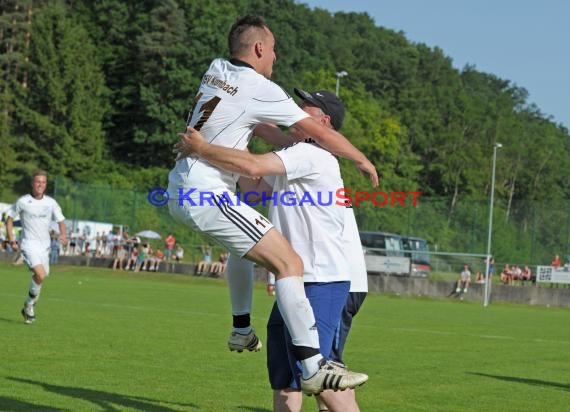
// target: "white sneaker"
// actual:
[[28, 314], [241, 342], [332, 375]]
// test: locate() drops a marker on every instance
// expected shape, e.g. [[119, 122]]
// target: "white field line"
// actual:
[[473, 335], [125, 307]]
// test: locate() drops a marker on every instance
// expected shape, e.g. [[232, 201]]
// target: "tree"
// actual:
[[60, 113], [15, 20]]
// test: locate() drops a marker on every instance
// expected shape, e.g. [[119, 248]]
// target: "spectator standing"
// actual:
[[169, 243], [110, 244], [54, 249], [491, 265], [73, 243], [179, 251], [80, 241]]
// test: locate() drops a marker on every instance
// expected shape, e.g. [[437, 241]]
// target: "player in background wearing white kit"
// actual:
[[235, 96], [319, 232], [36, 212]]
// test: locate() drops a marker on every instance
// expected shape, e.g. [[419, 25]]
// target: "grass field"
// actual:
[[108, 341]]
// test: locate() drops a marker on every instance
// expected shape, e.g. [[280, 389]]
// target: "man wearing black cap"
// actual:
[[316, 230], [328, 102]]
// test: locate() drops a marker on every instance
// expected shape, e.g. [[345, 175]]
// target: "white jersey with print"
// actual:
[[231, 101], [313, 227], [466, 274], [354, 253], [36, 216]]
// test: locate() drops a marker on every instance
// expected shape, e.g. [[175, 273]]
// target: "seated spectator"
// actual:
[[270, 287], [506, 275], [204, 264], [479, 278], [219, 267], [556, 261], [141, 257], [158, 257], [133, 256], [464, 280], [120, 255], [516, 274], [179, 253], [526, 274], [88, 250], [148, 256]]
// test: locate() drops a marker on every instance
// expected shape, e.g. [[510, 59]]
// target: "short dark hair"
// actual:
[[236, 38]]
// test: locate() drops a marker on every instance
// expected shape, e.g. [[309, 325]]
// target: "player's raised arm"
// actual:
[[336, 143]]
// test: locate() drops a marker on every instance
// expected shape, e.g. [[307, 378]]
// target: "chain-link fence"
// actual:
[[531, 233]]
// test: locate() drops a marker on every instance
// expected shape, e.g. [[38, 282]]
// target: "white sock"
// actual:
[[33, 293], [311, 365], [299, 318], [240, 280]]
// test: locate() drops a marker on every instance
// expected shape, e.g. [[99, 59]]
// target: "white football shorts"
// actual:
[[238, 227], [36, 254]]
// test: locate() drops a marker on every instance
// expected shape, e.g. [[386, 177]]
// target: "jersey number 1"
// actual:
[[206, 109]]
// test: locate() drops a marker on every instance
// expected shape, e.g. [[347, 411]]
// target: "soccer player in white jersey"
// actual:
[[36, 212], [320, 232], [235, 96]]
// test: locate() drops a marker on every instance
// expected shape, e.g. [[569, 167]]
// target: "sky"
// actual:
[[526, 42]]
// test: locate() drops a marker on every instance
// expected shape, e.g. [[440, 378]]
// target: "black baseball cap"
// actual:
[[328, 102]]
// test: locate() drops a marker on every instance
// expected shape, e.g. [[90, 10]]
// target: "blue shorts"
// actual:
[[327, 301]]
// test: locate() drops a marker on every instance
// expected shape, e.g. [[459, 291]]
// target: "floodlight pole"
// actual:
[[490, 229], [338, 76]]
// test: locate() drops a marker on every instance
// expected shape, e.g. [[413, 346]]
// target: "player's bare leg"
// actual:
[[287, 400], [339, 401], [33, 294]]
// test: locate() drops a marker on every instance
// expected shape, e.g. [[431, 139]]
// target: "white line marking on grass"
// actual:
[[127, 307], [498, 337], [131, 307]]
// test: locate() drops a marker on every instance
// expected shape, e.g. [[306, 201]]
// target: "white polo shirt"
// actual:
[[35, 216], [231, 101], [314, 228], [354, 253]]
